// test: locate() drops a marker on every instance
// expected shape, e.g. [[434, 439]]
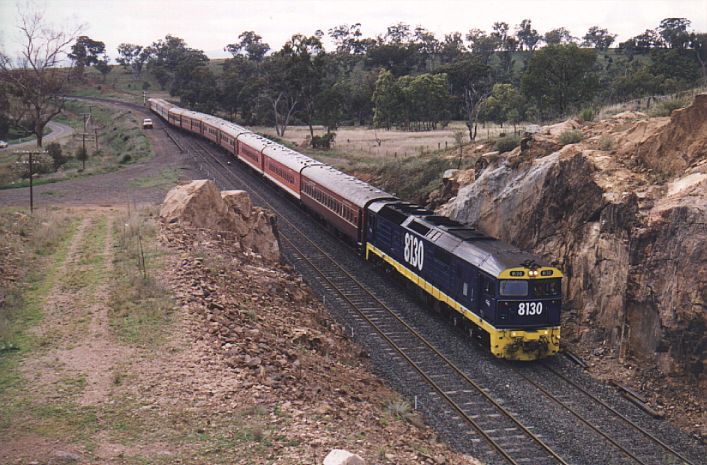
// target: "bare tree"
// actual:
[[34, 79]]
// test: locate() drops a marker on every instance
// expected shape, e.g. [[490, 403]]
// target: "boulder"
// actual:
[[343, 457], [199, 204], [239, 202], [559, 128], [681, 143], [262, 237]]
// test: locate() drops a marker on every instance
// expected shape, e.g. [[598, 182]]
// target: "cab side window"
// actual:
[[487, 286]]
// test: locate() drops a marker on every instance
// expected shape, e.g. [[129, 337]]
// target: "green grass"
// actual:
[[140, 308], [48, 253], [166, 177], [121, 141], [13, 137], [90, 268]]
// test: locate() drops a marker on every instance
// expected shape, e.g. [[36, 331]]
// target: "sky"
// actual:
[[209, 25]]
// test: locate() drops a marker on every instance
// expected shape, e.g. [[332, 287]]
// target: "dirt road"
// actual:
[[59, 132]]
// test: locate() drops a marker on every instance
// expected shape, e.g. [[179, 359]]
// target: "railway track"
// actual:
[[490, 422], [624, 434]]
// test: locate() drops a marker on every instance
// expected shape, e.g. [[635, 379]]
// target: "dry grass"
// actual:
[[379, 143], [140, 306]]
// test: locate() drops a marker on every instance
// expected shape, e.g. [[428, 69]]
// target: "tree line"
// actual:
[[406, 78]]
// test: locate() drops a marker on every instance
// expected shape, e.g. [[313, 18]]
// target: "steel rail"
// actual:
[[411, 330], [618, 414]]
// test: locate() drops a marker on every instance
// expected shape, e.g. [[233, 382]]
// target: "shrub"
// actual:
[[323, 142], [571, 136], [666, 107], [58, 158], [605, 143], [82, 156], [125, 159], [587, 115], [508, 143]]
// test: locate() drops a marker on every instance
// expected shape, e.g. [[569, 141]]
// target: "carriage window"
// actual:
[[465, 289], [514, 288]]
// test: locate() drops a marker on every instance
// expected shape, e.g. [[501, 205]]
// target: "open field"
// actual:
[[388, 144], [118, 84]]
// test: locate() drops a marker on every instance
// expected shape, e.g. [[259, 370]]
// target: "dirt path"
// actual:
[[76, 317], [78, 355]]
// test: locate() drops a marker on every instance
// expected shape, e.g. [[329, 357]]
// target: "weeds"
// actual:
[[666, 107], [399, 409], [507, 143], [140, 306], [605, 143], [413, 178], [571, 136], [587, 115]]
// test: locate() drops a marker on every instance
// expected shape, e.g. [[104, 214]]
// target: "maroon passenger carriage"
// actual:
[[284, 166], [339, 198], [250, 150]]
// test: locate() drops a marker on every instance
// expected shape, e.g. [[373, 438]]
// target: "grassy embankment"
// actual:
[[71, 266], [121, 141]]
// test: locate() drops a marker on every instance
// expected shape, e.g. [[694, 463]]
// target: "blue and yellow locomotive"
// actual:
[[501, 293]]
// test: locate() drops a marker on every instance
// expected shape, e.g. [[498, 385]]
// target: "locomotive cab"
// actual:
[[528, 297]]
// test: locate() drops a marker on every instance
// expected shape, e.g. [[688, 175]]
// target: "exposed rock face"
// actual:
[[627, 225], [200, 204], [672, 151]]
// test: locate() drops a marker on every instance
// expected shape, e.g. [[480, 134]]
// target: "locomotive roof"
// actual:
[[255, 141], [352, 189], [288, 157], [461, 240]]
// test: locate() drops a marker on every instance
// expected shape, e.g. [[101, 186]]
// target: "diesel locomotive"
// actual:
[[505, 297]]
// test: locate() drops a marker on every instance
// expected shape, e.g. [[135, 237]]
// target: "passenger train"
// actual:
[[505, 297]]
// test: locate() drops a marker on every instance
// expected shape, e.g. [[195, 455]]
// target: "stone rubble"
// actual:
[[277, 349], [199, 204]]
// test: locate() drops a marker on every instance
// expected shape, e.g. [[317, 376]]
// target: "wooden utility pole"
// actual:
[[87, 134], [30, 161]]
